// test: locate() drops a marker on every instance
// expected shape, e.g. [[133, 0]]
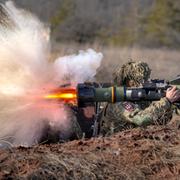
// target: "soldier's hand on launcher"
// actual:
[[173, 94]]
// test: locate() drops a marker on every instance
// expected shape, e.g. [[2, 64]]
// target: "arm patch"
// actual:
[[128, 106]]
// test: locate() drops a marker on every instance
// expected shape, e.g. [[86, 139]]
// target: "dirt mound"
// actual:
[[152, 153]]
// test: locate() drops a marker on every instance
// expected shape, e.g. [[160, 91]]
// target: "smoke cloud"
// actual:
[[26, 74], [78, 68]]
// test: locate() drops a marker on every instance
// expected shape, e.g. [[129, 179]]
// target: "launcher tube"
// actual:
[[89, 94]]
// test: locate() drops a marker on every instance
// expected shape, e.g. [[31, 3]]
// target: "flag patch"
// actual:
[[128, 106]]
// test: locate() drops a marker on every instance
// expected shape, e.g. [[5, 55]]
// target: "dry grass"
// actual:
[[165, 63], [151, 153]]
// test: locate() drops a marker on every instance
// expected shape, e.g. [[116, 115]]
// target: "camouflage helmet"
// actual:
[[136, 71]]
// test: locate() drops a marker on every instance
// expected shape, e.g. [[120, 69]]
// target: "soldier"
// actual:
[[124, 115]]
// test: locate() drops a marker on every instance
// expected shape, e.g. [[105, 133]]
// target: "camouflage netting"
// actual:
[[136, 71]]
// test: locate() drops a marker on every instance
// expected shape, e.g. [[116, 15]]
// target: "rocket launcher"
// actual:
[[86, 94], [149, 91]]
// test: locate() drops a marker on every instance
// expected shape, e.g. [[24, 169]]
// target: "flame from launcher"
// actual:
[[66, 95]]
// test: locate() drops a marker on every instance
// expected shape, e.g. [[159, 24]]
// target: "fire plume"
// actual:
[[66, 95]]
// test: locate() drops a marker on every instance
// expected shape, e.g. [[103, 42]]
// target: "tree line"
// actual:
[[149, 23]]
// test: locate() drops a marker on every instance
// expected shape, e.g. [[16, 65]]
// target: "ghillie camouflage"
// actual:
[[136, 71]]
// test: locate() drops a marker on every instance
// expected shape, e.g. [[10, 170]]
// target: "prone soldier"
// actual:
[[124, 115]]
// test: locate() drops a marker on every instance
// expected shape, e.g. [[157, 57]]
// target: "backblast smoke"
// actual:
[[26, 75]]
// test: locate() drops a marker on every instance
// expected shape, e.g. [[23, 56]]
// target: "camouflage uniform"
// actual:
[[124, 115]]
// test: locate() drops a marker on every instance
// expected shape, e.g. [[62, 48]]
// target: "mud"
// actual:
[[151, 153]]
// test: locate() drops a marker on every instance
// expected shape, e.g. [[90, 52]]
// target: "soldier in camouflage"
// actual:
[[124, 115]]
